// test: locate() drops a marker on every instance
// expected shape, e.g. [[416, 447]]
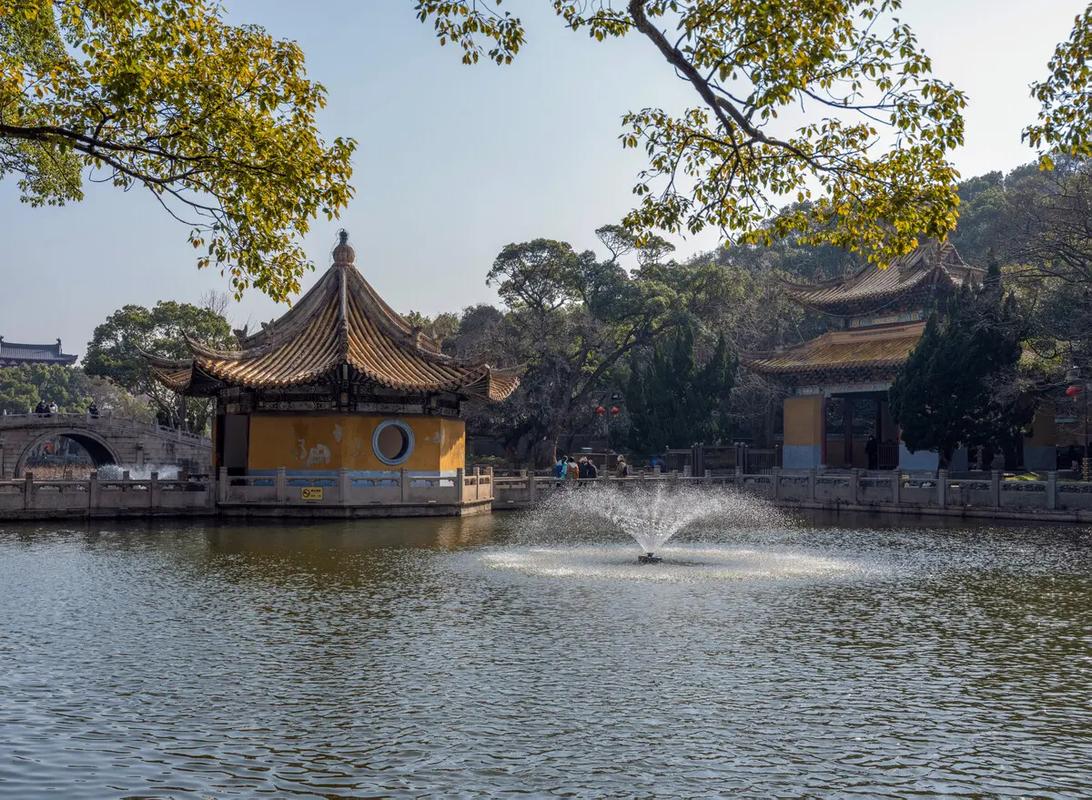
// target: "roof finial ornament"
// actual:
[[344, 255]]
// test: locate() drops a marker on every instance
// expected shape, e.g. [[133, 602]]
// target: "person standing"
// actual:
[[573, 470], [622, 469], [52, 408], [588, 470], [872, 450]]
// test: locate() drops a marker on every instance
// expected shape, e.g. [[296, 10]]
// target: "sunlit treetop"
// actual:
[[829, 105], [216, 121], [1065, 119]]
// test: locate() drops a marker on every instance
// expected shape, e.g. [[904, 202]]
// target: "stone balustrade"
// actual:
[[394, 493], [895, 491], [30, 498]]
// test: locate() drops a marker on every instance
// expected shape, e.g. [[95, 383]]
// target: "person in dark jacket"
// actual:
[[587, 469]]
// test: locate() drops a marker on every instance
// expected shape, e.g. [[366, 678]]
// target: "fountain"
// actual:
[[652, 515]]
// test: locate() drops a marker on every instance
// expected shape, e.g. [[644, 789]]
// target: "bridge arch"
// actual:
[[101, 452]]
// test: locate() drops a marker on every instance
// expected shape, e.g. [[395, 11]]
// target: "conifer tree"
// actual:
[[958, 387], [675, 403]]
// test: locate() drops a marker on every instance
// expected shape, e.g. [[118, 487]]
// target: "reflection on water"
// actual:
[[431, 657]]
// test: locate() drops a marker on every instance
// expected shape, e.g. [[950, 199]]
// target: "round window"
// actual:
[[392, 442]]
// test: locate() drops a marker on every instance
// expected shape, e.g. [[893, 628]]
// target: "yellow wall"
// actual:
[[344, 441], [1044, 431], [804, 420]]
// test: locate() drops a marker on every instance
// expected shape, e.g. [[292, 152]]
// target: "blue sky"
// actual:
[[455, 162]]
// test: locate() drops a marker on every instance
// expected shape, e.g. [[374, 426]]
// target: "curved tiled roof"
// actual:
[[340, 322], [837, 351], [871, 289], [23, 353]]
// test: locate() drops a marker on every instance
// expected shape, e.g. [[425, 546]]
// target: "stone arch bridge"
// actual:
[[108, 440]]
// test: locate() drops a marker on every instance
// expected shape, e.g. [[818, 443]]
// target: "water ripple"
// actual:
[[456, 658]]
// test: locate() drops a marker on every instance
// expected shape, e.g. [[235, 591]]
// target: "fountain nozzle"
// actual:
[[648, 558]]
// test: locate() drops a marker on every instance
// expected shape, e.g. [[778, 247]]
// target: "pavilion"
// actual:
[[340, 384], [837, 383]]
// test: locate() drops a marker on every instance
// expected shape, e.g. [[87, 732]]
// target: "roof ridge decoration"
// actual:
[[869, 289], [341, 322]]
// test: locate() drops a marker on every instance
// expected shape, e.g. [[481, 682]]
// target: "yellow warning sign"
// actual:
[[312, 493]]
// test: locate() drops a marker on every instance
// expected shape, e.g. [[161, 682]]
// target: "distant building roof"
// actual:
[[340, 326], [873, 289], [15, 353], [879, 350]]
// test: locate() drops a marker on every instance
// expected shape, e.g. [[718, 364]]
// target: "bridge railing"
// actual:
[[882, 491], [62, 418], [28, 496]]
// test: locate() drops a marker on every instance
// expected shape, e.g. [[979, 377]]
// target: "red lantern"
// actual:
[[1073, 391], [615, 411], [600, 411]]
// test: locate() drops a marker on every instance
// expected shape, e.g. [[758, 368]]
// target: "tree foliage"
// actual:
[[674, 402], [114, 352], [216, 121], [1065, 118], [23, 387], [1039, 223], [571, 321], [868, 162], [958, 387]]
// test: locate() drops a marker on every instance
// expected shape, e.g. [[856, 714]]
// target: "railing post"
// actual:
[[93, 490], [154, 490], [854, 486], [282, 485], [776, 472], [896, 486], [460, 475], [3, 470], [531, 489], [739, 476], [403, 489], [343, 486], [28, 491], [942, 488], [709, 476], [222, 485], [995, 488], [1052, 490], [477, 483], [811, 484]]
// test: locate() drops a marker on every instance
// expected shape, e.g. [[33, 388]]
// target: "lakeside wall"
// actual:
[[898, 492], [401, 493]]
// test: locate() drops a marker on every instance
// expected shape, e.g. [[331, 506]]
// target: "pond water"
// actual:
[[471, 658]]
